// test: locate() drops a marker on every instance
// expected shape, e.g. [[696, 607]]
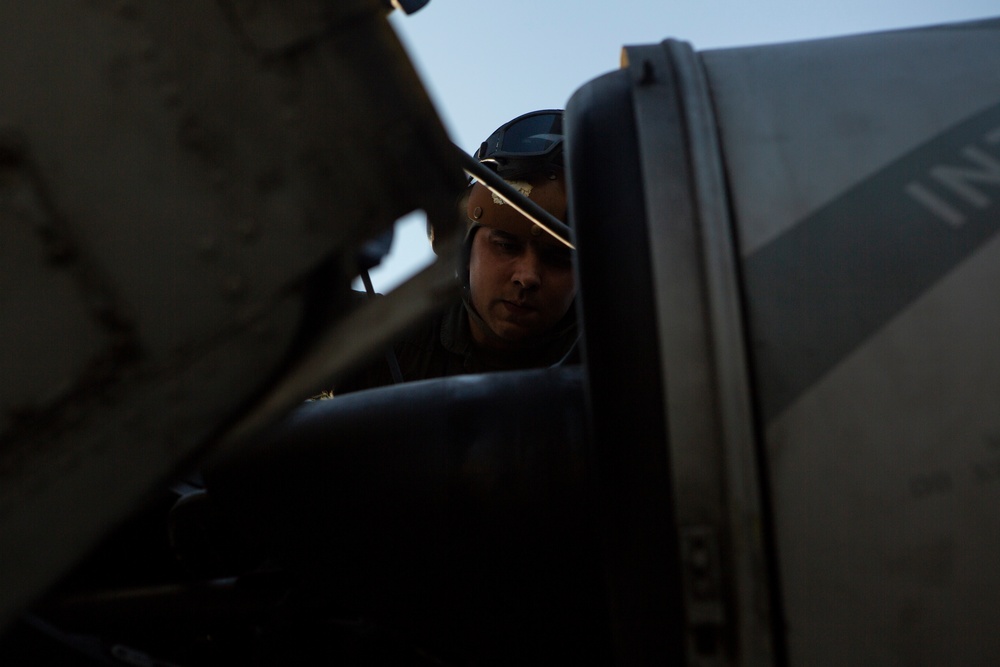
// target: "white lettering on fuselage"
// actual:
[[963, 183]]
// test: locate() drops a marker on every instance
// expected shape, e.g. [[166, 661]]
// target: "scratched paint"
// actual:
[[521, 186]]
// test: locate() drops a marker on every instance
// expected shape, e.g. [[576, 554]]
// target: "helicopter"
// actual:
[[782, 446]]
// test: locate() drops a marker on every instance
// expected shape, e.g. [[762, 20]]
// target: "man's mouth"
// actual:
[[518, 307]]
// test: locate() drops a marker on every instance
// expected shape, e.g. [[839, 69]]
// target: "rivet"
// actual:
[[477, 213], [647, 75], [536, 230]]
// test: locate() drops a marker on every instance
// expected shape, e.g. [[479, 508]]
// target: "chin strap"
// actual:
[[390, 353], [479, 321], [552, 337], [569, 352]]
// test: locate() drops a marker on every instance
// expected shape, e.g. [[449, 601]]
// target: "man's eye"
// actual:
[[507, 246]]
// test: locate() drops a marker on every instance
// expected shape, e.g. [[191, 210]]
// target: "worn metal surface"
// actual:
[[668, 387], [457, 512], [865, 179], [710, 438], [171, 176], [833, 206]]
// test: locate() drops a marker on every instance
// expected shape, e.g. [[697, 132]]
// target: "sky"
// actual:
[[485, 62]]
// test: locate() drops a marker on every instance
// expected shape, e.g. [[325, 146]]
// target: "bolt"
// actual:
[[646, 76]]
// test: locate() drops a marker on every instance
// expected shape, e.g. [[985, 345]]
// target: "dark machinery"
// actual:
[[782, 447]]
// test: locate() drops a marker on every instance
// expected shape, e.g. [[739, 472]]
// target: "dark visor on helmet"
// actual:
[[535, 134]]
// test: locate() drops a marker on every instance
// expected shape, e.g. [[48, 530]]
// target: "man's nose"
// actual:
[[528, 269]]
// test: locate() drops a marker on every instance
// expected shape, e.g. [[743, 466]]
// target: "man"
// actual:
[[520, 281], [517, 306]]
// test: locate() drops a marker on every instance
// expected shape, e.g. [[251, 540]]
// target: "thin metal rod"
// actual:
[[390, 353], [529, 209]]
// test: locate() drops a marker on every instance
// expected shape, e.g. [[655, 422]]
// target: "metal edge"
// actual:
[[707, 410], [741, 466]]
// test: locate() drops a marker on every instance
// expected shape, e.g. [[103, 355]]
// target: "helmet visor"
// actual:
[[534, 134]]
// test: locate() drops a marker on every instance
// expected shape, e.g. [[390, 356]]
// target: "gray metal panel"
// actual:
[[886, 488], [821, 288], [801, 123], [170, 185], [865, 176]]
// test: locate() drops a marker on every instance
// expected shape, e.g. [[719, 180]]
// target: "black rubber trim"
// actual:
[[624, 388]]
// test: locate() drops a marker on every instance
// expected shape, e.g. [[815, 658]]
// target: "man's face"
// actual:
[[521, 286]]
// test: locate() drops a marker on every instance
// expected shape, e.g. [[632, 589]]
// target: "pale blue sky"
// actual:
[[485, 62]]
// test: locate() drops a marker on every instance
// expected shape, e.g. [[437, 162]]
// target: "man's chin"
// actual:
[[516, 334]]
